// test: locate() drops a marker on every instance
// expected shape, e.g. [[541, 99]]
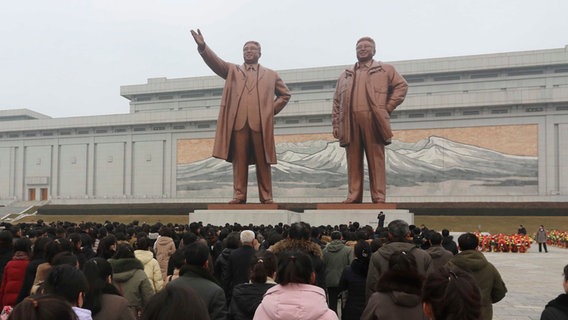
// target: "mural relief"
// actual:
[[473, 161]]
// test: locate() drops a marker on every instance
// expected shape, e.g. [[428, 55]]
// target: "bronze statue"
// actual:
[[252, 96], [365, 96]]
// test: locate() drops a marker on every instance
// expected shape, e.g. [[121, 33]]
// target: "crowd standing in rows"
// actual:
[[137, 271]]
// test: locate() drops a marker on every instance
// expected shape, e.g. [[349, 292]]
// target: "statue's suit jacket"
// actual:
[[273, 95]]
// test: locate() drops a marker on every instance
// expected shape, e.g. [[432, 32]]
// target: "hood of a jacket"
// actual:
[[437, 251], [163, 240], [388, 249], [144, 255], [293, 302], [124, 269], [334, 246], [470, 260], [404, 299], [249, 295]]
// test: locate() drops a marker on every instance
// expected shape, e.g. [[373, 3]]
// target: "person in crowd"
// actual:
[[130, 278], [174, 302], [398, 291], [522, 230], [15, 272], [541, 238], [231, 242], [52, 249], [557, 308], [43, 307], [69, 283], [295, 296], [488, 279], [336, 256], [151, 265], [177, 260], [194, 274], [103, 298], [164, 247], [107, 247], [238, 263], [246, 297], [6, 249], [299, 239], [451, 295], [440, 256], [38, 257], [398, 236], [353, 281], [448, 242]]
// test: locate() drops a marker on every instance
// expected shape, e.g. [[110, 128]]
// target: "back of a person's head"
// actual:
[[56, 246], [468, 241], [142, 243], [173, 302], [362, 251], [300, 231], [6, 239], [336, 235], [263, 267], [124, 251], [565, 273], [188, 238], [43, 307], [402, 274], [294, 267], [97, 271], [451, 295], [39, 247], [247, 236], [23, 244], [435, 238], [232, 240], [178, 258], [196, 254], [67, 282], [445, 232], [398, 230], [65, 257]]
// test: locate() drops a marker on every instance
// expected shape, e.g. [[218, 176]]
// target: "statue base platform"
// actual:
[[315, 214]]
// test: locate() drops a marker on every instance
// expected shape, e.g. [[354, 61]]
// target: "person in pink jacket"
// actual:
[[295, 296]]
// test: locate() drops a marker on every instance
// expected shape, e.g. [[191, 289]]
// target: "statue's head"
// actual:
[[251, 52], [365, 49]]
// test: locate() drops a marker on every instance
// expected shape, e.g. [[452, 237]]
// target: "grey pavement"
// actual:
[[532, 279]]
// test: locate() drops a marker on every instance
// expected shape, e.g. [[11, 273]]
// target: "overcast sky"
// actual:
[[67, 58]]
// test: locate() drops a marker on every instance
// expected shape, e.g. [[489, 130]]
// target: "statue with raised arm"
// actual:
[[365, 96], [252, 96]]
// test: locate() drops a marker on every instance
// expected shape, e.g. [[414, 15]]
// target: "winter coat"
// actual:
[[294, 301], [353, 280], [13, 278], [132, 282], [336, 256], [29, 278], [395, 305], [440, 256], [556, 309], [269, 85], [541, 236], [220, 266], [310, 248], [151, 268], [82, 314], [380, 262], [238, 268], [114, 307], [246, 298], [6, 255], [385, 89], [449, 244], [205, 286], [487, 277], [164, 247]]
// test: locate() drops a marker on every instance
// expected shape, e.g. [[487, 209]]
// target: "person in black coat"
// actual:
[[448, 242], [557, 308], [247, 297], [238, 264], [353, 279]]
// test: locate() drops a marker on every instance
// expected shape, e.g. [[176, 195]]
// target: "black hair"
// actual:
[[435, 238], [174, 301], [23, 244], [263, 267], [196, 254], [294, 267], [300, 231], [43, 307], [66, 281], [142, 243], [402, 274], [96, 271], [468, 241], [452, 295], [124, 251]]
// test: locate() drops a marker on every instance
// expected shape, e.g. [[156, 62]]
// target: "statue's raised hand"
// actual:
[[198, 37]]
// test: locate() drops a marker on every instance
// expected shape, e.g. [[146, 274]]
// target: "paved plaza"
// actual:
[[532, 279]]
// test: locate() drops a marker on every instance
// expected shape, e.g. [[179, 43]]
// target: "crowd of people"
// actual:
[[138, 271]]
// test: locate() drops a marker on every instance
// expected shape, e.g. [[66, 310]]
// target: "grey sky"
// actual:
[[69, 58]]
